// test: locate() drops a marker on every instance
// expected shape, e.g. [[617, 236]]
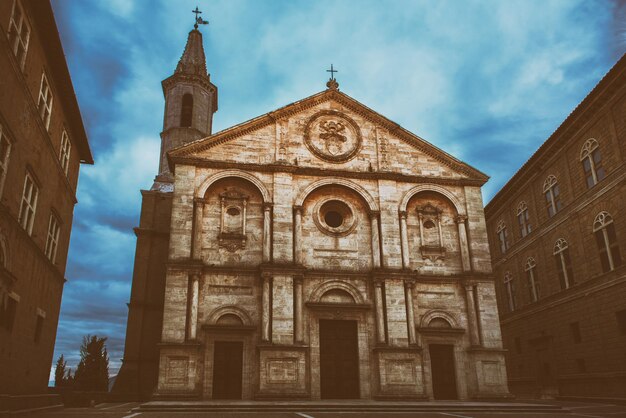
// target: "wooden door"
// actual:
[[339, 359], [227, 369], [442, 371]]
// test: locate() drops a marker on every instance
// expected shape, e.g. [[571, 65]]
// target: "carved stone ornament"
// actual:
[[332, 136], [431, 235]]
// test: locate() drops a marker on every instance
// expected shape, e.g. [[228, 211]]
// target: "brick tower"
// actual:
[[190, 101]]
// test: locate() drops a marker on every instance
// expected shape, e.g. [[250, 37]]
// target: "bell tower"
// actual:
[[190, 101]]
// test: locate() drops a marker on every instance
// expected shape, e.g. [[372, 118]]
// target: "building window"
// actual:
[[604, 230], [552, 194], [563, 263], [45, 101], [592, 162], [5, 150], [575, 330], [52, 242], [29, 203], [532, 279], [41, 315], [621, 321], [64, 154], [502, 237], [19, 33], [510, 290], [8, 309], [186, 111], [523, 219]]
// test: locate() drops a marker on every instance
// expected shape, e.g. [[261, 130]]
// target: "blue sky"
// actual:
[[487, 81]]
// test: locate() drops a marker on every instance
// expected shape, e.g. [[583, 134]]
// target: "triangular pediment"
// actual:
[[329, 130]]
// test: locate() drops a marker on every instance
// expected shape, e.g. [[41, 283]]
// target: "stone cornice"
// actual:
[[323, 172], [599, 97], [345, 100]]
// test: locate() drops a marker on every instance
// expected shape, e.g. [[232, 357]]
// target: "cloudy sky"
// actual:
[[487, 81]]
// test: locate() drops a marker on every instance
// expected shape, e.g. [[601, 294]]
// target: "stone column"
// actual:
[[410, 312], [404, 240], [297, 308], [266, 308], [192, 301], [380, 311], [196, 252], [472, 321], [267, 238], [463, 244], [375, 238], [297, 234]]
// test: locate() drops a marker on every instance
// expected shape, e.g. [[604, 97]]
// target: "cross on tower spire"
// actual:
[[199, 20]]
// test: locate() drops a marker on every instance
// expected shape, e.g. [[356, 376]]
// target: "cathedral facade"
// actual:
[[317, 251]]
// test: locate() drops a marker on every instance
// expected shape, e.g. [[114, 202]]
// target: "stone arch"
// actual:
[[229, 310], [371, 203], [460, 209], [234, 173], [317, 294], [434, 314]]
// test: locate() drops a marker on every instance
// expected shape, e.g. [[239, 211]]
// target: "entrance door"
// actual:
[[227, 370], [442, 370], [339, 360]]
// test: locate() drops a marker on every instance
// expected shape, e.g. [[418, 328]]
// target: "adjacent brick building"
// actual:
[[557, 232], [317, 251], [42, 144]]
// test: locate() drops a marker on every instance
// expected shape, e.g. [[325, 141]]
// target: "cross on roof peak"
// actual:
[[198, 19]]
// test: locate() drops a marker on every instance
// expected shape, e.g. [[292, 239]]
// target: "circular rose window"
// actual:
[[334, 217]]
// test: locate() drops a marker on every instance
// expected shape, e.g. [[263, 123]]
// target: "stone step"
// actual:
[[352, 406]]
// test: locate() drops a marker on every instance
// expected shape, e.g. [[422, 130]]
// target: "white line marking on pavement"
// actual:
[[132, 415], [454, 415], [302, 414], [116, 406]]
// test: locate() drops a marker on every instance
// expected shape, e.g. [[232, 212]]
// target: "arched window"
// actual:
[[532, 279], [552, 193], [592, 162], [510, 290], [523, 219], [502, 237], [563, 263], [186, 111], [606, 239]]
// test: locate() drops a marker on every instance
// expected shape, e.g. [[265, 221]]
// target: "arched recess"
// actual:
[[371, 203], [317, 294], [460, 209], [234, 173], [430, 315], [230, 310]]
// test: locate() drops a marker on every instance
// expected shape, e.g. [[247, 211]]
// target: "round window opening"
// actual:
[[333, 219], [233, 211]]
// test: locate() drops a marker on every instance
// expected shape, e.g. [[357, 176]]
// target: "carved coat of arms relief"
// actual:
[[332, 136]]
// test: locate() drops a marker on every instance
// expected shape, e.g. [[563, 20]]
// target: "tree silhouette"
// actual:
[[92, 373], [59, 373]]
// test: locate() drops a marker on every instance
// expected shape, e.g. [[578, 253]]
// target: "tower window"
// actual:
[[563, 263], [531, 276], [551, 192], [502, 237], [186, 111], [523, 219], [510, 290]]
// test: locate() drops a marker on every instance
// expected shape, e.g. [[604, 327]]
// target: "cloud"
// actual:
[[486, 81]]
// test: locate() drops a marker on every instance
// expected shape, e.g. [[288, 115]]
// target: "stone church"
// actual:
[[317, 251]]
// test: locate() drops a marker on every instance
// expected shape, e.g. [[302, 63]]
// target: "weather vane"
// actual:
[[199, 20]]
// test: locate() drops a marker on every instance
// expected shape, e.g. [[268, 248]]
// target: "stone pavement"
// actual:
[[570, 410]]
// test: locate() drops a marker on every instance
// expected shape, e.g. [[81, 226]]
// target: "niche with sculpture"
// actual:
[[431, 233], [233, 207]]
